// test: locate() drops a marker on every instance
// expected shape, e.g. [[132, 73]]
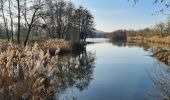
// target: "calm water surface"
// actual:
[[120, 73]]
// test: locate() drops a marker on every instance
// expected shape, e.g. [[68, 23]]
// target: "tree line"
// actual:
[[58, 18], [161, 29]]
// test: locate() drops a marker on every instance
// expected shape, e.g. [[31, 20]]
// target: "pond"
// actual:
[[121, 71]]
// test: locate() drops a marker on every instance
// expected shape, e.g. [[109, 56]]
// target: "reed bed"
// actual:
[[54, 44], [27, 72], [154, 39], [31, 73]]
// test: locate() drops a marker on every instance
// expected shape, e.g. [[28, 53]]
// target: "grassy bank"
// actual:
[[163, 43], [53, 45], [154, 39]]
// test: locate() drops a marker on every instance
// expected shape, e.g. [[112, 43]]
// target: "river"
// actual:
[[119, 72]]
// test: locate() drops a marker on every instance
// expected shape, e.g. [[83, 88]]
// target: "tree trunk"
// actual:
[[29, 27], [12, 32], [27, 37], [5, 22], [19, 19]]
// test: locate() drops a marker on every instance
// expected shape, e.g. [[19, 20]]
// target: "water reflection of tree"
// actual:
[[124, 43], [78, 71], [119, 42], [160, 76]]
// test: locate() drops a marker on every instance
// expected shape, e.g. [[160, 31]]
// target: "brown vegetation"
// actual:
[[163, 55], [24, 72], [154, 39], [29, 72], [56, 44]]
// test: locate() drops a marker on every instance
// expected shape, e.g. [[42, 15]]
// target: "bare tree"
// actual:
[[84, 22], [69, 20], [59, 12], [48, 16], [87, 24], [62, 20], [4, 18], [11, 18], [19, 20], [31, 14], [161, 28]]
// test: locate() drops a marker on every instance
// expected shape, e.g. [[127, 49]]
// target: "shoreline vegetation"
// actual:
[[160, 48], [154, 39], [161, 43], [157, 36], [53, 45]]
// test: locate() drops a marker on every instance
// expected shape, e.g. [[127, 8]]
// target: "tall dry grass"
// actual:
[[53, 44], [154, 39], [31, 73], [27, 72]]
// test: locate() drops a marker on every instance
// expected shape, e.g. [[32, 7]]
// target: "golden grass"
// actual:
[[30, 71], [163, 55], [54, 44], [23, 71], [154, 39]]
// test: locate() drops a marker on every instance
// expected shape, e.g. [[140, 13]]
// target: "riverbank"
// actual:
[[154, 39], [162, 44], [53, 45], [163, 55]]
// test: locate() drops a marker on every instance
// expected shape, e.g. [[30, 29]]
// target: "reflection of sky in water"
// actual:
[[120, 74], [97, 40]]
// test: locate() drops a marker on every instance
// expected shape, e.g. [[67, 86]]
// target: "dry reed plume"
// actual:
[[27, 72]]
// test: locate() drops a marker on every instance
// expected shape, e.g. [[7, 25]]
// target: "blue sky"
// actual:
[[111, 15]]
